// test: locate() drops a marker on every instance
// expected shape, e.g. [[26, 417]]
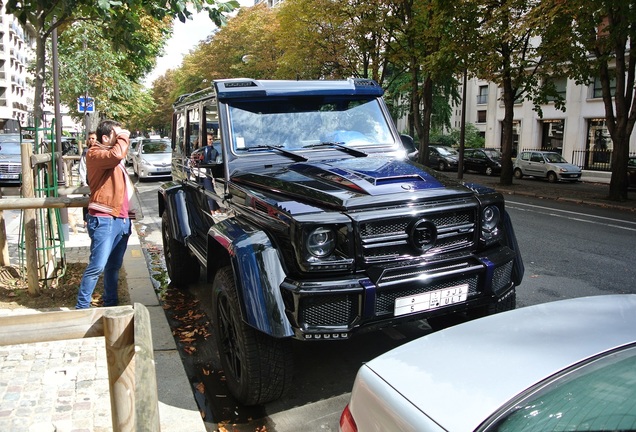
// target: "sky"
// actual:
[[185, 37]]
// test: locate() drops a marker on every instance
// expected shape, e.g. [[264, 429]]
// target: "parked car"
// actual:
[[443, 158], [483, 160], [631, 172], [10, 162], [132, 150], [544, 164], [565, 365], [153, 159]]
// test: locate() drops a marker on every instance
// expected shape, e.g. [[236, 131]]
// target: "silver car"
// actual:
[[568, 365], [153, 159], [132, 150], [544, 164]]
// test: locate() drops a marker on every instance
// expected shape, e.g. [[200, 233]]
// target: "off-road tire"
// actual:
[[552, 177], [183, 268], [258, 368], [518, 174]]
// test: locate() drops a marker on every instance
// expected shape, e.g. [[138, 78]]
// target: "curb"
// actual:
[[178, 410]]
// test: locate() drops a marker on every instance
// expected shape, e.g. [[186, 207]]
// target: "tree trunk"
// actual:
[[506, 141]]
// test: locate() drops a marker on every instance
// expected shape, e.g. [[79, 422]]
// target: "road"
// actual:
[[569, 250]]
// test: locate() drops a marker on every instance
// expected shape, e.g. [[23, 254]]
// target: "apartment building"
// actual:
[[579, 133], [17, 49]]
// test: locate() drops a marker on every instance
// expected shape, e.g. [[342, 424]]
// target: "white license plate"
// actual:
[[9, 176], [430, 300]]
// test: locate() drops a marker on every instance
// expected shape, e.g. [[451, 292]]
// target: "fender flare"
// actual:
[[171, 197], [258, 271]]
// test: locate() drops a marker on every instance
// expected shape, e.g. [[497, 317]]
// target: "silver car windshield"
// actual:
[[299, 123], [554, 158]]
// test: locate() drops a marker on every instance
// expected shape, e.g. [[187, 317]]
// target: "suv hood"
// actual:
[[353, 183]]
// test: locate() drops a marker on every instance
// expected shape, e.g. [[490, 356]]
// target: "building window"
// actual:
[[559, 86], [597, 89], [552, 135], [482, 97], [598, 148], [481, 116], [516, 129]]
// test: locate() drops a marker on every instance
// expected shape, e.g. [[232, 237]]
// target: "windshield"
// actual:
[[150, 147], [9, 147], [493, 154], [554, 158], [297, 123], [447, 151]]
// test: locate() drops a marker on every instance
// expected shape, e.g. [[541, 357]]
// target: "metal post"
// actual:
[[61, 181]]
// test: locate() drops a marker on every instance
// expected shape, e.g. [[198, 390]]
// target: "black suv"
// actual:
[[311, 224]]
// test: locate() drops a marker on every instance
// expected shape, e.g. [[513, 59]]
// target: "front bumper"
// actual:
[[337, 308]]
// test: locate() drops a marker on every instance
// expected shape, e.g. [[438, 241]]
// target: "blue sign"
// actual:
[[85, 105]]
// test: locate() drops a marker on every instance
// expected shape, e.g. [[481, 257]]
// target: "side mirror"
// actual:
[[409, 145]]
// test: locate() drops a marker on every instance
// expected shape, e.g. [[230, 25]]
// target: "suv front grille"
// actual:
[[6, 168], [328, 310], [389, 238]]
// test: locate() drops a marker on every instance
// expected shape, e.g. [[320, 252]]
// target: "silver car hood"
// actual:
[[459, 376]]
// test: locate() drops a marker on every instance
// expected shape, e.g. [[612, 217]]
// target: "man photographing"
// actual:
[[109, 225]]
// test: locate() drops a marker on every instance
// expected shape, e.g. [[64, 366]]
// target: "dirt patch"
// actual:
[[61, 293]]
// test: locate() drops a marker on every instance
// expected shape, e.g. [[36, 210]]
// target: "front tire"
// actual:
[[441, 166], [182, 267], [489, 171], [552, 177], [258, 367]]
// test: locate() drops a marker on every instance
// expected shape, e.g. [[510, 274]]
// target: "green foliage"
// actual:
[[134, 29], [472, 137]]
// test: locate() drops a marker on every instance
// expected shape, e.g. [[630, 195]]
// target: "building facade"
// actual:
[[17, 50], [579, 133]]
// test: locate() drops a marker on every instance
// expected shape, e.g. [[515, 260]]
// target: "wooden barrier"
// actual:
[[129, 354]]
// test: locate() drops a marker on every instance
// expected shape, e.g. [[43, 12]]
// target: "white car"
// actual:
[[568, 365], [544, 164], [153, 159]]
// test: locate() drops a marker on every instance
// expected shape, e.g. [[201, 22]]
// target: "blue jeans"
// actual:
[[109, 239]]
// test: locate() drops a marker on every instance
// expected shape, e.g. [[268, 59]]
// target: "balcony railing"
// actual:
[[482, 99]]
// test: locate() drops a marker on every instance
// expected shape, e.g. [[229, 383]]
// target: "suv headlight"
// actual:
[[490, 224], [321, 242], [324, 247]]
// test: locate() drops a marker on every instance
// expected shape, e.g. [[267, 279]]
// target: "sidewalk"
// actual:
[[63, 386]]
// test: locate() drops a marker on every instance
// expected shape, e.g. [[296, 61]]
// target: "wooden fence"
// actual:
[[129, 354]]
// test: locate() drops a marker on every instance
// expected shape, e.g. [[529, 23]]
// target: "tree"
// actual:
[[91, 66], [421, 48], [120, 20], [503, 53], [591, 39]]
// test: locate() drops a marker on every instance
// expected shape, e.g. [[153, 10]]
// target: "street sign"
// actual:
[[85, 105]]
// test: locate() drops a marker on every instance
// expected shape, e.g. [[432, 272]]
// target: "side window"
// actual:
[[525, 156], [536, 157], [179, 126], [192, 140]]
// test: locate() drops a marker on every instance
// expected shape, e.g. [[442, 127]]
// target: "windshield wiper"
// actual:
[[279, 148], [339, 146]]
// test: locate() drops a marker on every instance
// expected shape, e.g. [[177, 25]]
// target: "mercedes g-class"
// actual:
[[311, 223]]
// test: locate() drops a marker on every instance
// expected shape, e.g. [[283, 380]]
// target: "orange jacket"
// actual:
[[106, 175]]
